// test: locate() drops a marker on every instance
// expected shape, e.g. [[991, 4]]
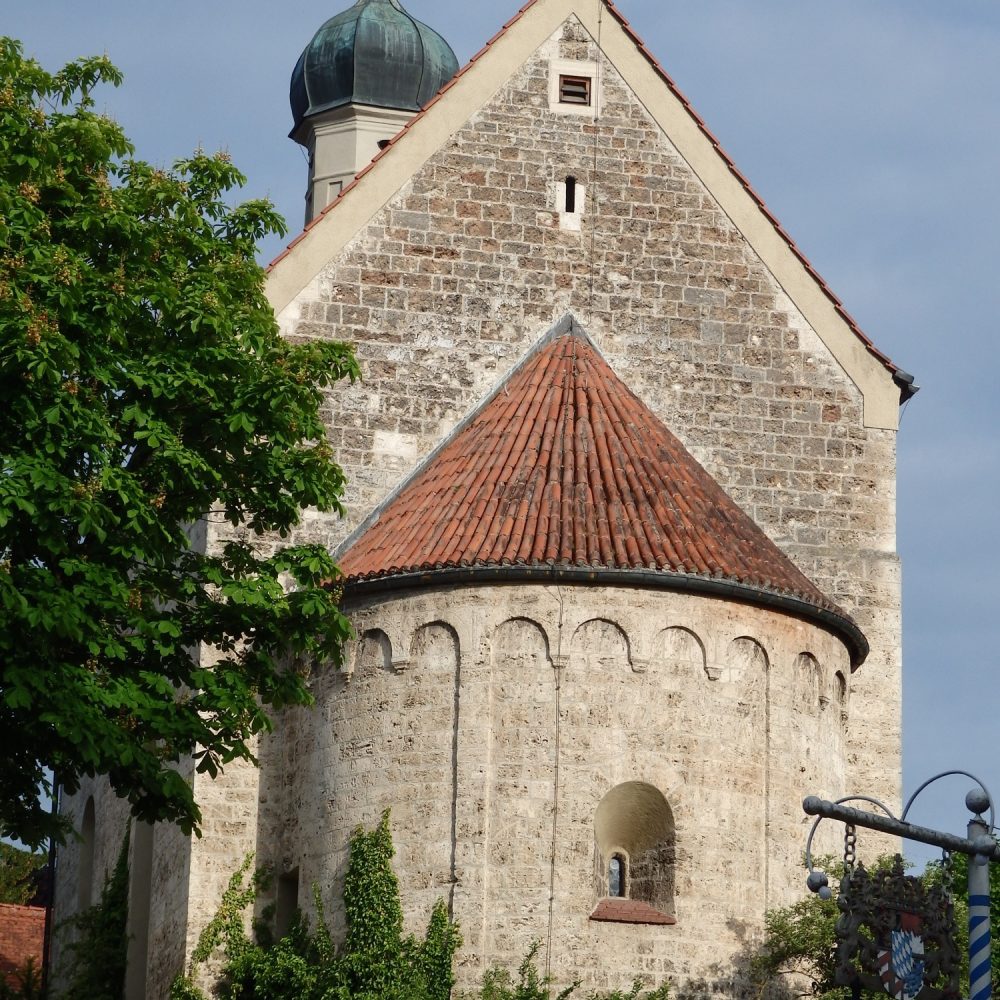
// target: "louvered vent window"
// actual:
[[574, 90]]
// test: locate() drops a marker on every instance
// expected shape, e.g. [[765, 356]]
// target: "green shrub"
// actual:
[[376, 961], [100, 949]]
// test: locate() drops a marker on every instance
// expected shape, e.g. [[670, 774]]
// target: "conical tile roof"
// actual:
[[565, 473]]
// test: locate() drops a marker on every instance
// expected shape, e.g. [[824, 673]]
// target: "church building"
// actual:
[[620, 546]]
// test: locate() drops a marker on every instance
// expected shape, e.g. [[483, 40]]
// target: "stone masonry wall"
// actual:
[[445, 290], [467, 267], [493, 721], [442, 293], [97, 853]]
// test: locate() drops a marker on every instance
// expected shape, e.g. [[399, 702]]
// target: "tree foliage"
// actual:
[[799, 945], [958, 875], [376, 961], [145, 388], [24, 983], [529, 983], [18, 868]]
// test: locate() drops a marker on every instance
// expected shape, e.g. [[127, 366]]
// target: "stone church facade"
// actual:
[[620, 550]]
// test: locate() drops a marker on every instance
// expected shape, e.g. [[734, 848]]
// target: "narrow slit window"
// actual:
[[616, 877], [570, 195], [574, 90]]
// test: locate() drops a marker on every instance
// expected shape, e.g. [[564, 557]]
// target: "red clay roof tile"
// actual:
[[562, 469], [629, 911]]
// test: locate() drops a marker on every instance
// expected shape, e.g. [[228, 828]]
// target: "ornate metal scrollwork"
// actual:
[[896, 935]]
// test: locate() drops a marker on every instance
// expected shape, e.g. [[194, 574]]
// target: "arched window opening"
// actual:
[[140, 896], [808, 680], [85, 872], [634, 830]]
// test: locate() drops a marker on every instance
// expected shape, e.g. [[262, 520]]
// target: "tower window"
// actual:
[[635, 847], [574, 90], [570, 195]]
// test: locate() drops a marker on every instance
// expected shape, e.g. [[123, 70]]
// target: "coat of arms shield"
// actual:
[[896, 935]]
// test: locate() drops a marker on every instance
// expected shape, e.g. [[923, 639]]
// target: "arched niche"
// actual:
[[634, 825], [682, 652], [140, 894], [746, 661], [600, 645], [807, 678], [374, 653], [424, 810], [521, 644], [841, 694], [434, 647], [518, 729]]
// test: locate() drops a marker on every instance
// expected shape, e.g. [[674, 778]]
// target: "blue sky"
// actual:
[[869, 128]]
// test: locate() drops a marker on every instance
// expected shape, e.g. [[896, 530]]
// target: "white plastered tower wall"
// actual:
[[444, 263], [340, 144]]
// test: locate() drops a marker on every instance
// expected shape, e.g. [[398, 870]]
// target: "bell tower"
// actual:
[[362, 77]]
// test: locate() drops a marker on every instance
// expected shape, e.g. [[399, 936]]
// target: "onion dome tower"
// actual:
[[360, 79]]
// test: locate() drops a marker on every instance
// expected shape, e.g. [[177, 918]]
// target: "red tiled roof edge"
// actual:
[[574, 433], [698, 120]]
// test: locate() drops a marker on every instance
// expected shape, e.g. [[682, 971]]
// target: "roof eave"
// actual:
[[835, 621]]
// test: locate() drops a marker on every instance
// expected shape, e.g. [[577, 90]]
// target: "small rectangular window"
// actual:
[[574, 90]]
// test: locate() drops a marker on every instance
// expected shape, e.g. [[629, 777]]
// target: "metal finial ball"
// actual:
[[817, 882], [826, 893], [977, 801]]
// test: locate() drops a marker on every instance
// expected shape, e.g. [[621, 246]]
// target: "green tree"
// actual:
[[799, 945], [959, 880], [145, 389], [17, 870], [374, 945], [530, 984]]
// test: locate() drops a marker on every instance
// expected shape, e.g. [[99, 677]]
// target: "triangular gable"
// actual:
[[564, 474], [877, 378]]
